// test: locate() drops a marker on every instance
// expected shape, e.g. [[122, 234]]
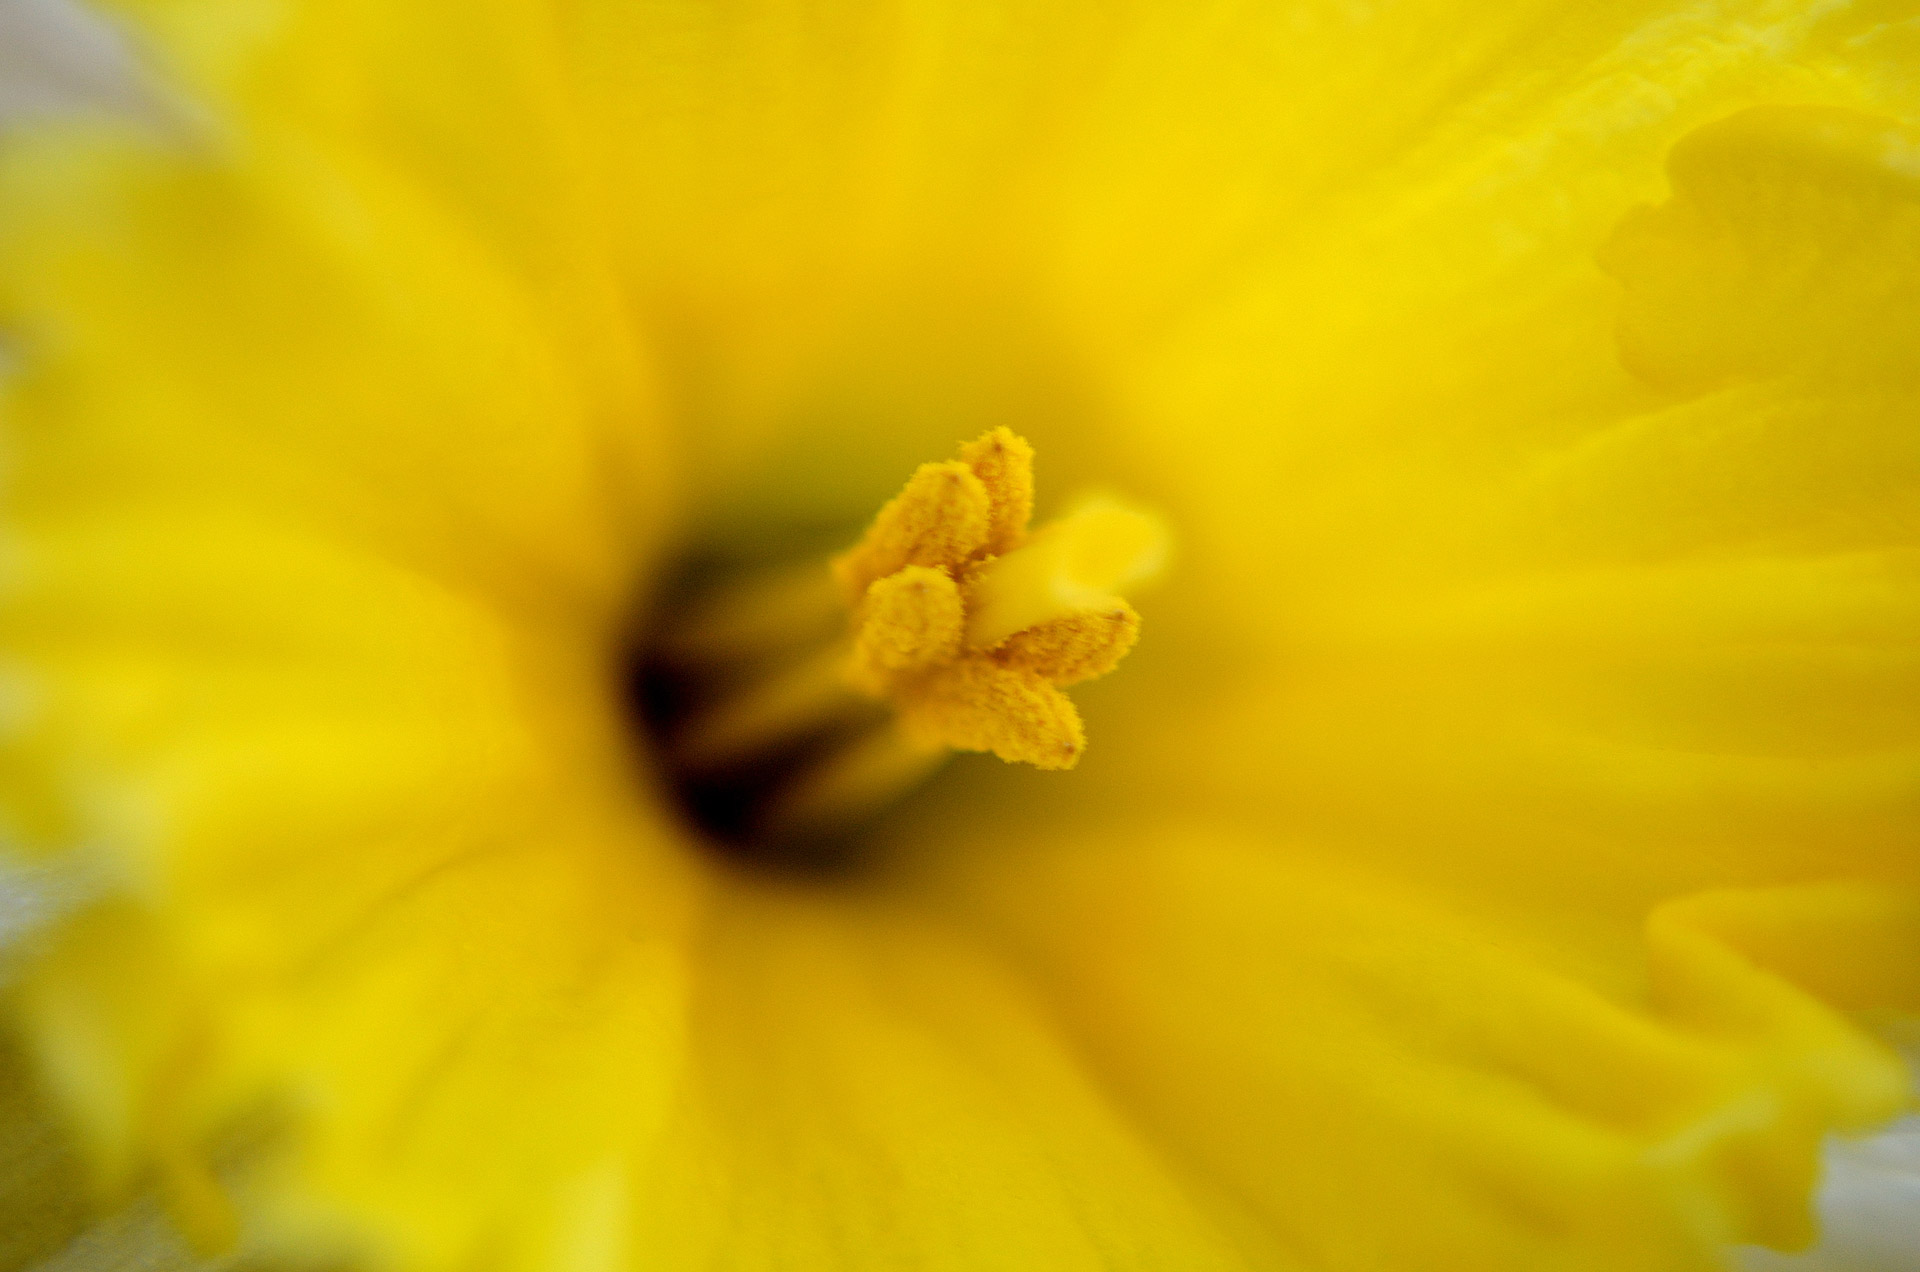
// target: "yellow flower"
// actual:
[[1484, 861]]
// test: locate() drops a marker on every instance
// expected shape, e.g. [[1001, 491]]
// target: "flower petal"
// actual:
[[868, 1090], [1328, 1046], [310, 336], [1788, 246]]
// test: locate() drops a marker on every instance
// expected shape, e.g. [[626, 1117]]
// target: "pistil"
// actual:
[[1076, 565]]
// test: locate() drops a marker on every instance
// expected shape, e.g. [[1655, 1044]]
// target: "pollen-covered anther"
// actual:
[[943, 517], [1074, 647], [968, 626], [910, 619], [975, 704]]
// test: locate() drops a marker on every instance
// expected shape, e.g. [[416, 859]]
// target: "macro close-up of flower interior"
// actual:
[[1267, 635]]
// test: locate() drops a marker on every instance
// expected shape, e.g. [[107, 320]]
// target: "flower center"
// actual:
[[792, 705]]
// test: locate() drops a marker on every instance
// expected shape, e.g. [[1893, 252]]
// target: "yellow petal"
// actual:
[[870, 1089], [1787, 247], [475, 111], [1327, 1046], [314, 339]]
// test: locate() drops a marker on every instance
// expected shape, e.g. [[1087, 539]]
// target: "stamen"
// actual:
[[766, 613], [944, 515], [764, 713], [908, 621], [961, 630], [847, 784]]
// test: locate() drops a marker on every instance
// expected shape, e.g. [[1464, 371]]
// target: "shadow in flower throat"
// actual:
[[726, 691]]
